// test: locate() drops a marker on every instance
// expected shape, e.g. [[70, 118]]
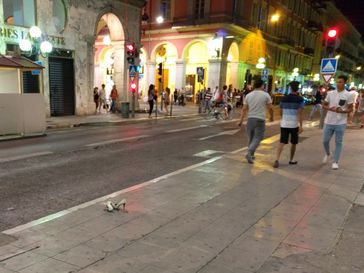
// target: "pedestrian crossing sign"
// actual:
[[328, 66]]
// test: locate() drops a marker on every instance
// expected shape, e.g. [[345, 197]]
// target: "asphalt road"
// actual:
[[40, 176]]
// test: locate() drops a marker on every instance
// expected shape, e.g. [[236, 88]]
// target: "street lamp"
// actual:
[[160, 19], [35, 45], [358, 68], [261, 63], [275, 18]]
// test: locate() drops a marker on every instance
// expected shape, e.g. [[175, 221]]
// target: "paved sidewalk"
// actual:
[[219, 216], [110, 118]]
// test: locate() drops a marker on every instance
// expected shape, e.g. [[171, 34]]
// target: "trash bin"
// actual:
[[125, 109]]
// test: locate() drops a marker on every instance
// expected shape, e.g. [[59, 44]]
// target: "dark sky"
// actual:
[[354, 10]]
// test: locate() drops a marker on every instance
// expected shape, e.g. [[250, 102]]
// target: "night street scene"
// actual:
[[181, 136]]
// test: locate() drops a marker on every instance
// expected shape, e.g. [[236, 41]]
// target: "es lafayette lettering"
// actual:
[[18, 34]]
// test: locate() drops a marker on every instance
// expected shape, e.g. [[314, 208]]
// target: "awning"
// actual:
[[18, 62]]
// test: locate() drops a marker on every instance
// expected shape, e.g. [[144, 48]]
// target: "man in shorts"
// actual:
[[291, 122]]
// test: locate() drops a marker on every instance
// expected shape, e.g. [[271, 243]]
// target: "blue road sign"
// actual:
[[265, 73], [328, 66], [133, 69], [37, 72]]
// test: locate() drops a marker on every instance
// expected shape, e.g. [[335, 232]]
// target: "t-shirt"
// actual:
[[355, 95], [257, 102], [338, 99], [290, 105]]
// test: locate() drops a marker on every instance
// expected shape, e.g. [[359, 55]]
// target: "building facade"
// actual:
[[88, 39], [350, 47], [226, 39]]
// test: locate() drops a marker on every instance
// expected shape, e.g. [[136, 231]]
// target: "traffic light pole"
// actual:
[[162, 89]]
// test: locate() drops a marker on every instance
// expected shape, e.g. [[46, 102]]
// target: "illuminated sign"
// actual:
[[13, 34]]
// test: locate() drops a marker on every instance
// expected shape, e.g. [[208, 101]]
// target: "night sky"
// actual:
[[354, 10]]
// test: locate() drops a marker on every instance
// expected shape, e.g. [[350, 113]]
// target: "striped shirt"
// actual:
[[290, 105]]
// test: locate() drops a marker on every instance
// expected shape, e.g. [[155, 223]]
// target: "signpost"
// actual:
[[328, 68], [265, 73], [133, 75]]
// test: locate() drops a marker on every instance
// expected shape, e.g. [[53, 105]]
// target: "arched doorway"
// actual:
[[109, 62], [196, 55], [233, 66], [165, 56]]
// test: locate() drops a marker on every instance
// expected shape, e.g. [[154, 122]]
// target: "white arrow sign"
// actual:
[[231, 133]]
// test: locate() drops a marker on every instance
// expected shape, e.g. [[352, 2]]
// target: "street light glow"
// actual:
[[275, 18], [25, 45], [261, 60], [160, 19], [337, 56], [35, 32], [358, 68]]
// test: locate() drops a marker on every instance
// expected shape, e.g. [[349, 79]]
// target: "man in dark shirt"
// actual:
[[317, 103], [291, 122]]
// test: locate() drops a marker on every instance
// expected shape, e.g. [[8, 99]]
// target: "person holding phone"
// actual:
[[338, 104]]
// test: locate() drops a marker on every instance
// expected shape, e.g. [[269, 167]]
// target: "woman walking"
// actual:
[[151, 95], [113, 95], [167, 100], [96, 97]]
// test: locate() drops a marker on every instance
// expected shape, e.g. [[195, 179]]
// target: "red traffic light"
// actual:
[[332, 33], [130, 47], [133, 86]]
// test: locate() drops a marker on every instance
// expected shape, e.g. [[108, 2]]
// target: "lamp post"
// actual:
[[37, 44]]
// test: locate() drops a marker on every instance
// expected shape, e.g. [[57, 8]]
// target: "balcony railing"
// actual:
[[309, 51], [314, 26], [286, 41]]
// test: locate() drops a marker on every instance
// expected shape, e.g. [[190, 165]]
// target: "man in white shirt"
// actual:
[[255, 104], [338, 104]]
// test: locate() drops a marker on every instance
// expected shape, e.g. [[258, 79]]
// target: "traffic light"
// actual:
[[160, 69], [331, 41], [133, 87], [131, 53]]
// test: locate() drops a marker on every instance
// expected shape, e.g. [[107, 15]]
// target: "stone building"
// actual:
[[227, 39], [88, 38]]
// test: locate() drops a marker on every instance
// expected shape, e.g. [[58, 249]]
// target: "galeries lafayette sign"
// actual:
[[13, 34]]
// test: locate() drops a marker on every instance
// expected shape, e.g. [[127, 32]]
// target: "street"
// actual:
[[40, 176]]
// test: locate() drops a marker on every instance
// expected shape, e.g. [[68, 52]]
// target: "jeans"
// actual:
[[314, 109], [113, 104], [255, 128], [329, 131]]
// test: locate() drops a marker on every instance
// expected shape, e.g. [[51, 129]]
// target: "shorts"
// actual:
[[286, 132]]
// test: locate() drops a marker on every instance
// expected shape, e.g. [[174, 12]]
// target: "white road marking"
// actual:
[[207, 153], [106, 197], [115, 194], [19, 157], [112, 141], [187, 129], [231, 132]]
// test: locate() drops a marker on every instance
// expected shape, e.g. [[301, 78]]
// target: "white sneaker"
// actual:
[[326, 159], [335, 166]]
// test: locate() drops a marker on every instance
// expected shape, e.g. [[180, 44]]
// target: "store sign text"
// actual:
[[15, 34]]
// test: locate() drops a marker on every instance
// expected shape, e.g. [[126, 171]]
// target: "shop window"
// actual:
[[19, 12], [59, 15], [166, 9]]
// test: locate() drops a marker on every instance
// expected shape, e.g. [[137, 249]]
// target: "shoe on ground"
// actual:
[[335, 166], [276, 164], [253, 157], [326, 159], [249, 158]]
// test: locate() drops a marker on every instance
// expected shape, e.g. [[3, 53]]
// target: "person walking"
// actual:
[[291, 122], [151, 97], [96, 98], [208, 97], [102, 97], [255, 104], [338, 104], [167, 100], [175, 96], [361, 107], [317, 104], [355, 95], [113, 96]]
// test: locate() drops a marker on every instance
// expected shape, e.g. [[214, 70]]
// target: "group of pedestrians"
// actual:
[[338, 103], [101, 101]]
